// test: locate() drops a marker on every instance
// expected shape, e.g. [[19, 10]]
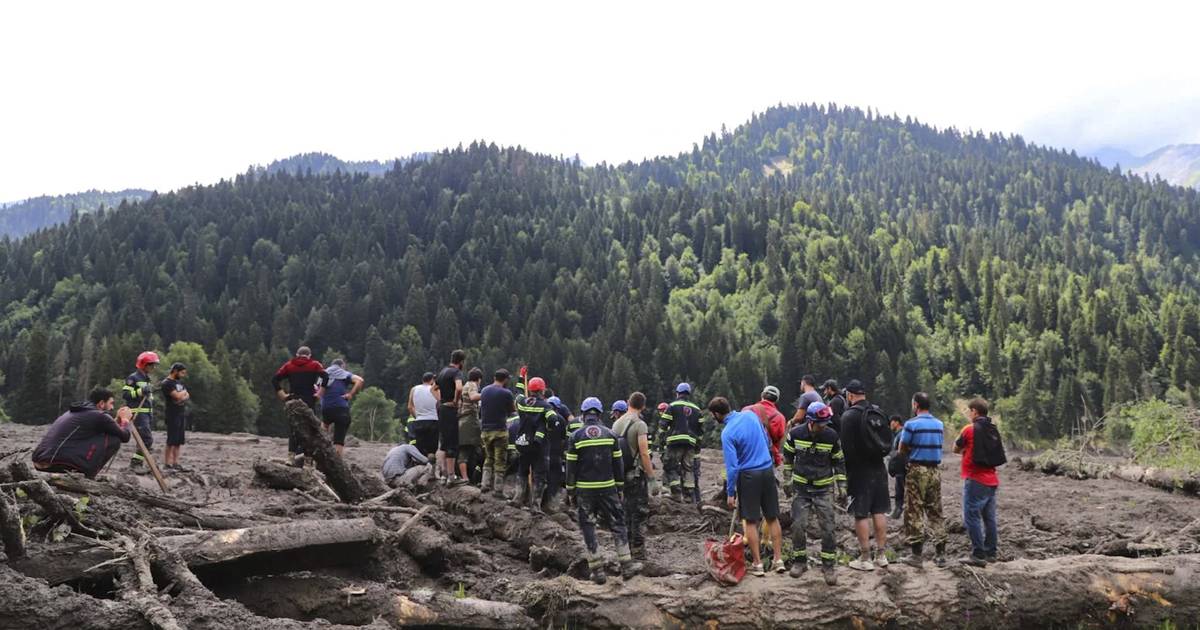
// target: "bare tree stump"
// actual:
[[317, 446]]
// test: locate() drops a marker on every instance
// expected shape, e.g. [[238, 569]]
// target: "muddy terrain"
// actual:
[[1073, 552]]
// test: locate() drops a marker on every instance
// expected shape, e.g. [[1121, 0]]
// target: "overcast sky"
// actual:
[[163, 94]]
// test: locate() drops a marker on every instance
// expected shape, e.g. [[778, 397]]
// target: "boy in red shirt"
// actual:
[[979, 490]]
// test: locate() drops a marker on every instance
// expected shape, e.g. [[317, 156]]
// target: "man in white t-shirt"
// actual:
[[422, 408]]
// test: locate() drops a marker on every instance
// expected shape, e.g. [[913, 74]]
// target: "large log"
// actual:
[[317, 446], [1077, 465], [66, 563], [1058, 592], [186, 513], [28, 603]]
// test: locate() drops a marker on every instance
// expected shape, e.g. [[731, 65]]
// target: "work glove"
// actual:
[[654, 487]]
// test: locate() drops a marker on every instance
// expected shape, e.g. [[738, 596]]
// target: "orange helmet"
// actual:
[[536, 384], [146, 358]]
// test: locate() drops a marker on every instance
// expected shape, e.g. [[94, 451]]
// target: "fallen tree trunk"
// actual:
[[317, 446], [29, 603], [67, 563], [1064, 591], [1077, 465], [187, 513], [136, 586], [11, 531], [562, 548]]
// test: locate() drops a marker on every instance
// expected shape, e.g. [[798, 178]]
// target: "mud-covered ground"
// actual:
[[1040, 517]]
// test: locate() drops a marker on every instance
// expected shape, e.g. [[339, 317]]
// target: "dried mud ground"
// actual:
[[1040, 517]]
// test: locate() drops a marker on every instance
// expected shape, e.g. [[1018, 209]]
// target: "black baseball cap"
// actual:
[[856, 387], [501, 375], [178, 366]]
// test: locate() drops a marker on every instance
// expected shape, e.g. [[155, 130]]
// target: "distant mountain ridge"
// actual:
[[25, 217], [19, 218], [1178, 164]]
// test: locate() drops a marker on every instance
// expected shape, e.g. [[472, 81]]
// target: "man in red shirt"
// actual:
[[773, 421], [979, 490]]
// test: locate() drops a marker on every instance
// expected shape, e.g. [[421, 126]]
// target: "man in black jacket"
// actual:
[[84, 438], [868, 487]]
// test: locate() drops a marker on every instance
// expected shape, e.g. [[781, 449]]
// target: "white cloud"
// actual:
[[155, 94]]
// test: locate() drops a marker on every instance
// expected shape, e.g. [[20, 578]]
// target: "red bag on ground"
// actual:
[[726, 560]]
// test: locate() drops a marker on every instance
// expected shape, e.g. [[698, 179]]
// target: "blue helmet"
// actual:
[[683, 388], [621, 406], [554, 400], [591, 403], [819, 412]]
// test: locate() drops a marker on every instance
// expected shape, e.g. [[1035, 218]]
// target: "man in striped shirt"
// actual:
[[921, 441]]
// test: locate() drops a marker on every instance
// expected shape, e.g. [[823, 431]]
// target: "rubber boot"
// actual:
[[630, 568], [539, 494], [599, 576], [485, 485], [696, 495], [799, 566], [553, 503], [897, 512], [939, 554], [521, 496], [828, 574], [915, 560], [676, 494]]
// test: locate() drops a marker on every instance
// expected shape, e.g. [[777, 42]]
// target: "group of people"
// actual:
[[831, 458], [86, 438], [832, 452]]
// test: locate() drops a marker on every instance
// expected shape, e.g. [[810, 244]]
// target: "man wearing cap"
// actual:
[[836, 402], [176, 395], [772, 420], [921, 441], [813, 464], [867, 477], [681, 425]]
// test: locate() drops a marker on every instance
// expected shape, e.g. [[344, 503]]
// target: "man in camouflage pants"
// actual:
[[921, 441]]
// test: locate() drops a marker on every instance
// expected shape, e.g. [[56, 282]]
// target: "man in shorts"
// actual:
[[422, 408], [867, 481], [448, 386], [176, 395], [750, 479], [335, 402]]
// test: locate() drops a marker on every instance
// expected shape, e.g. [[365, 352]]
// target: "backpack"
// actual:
[[876, 432], [987, 450]]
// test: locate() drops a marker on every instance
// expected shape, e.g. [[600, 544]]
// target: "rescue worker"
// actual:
[[594, 473], [814, 462], [836, 401], [617, 410], [680, 423], [631, 430], [139, 396], [514, 457], [537, 419]]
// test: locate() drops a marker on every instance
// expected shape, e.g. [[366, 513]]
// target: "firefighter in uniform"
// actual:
[[536, 420], [594, 474], [556, 446], [514, 458], [139, 395], [680, 424], [618, 409], [813, 459]]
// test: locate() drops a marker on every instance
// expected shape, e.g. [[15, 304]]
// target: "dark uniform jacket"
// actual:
[[139, 395], [594, 457], [681, 423], [813, 459], [80, 439], [536, 421]]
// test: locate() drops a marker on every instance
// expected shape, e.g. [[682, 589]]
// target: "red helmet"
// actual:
[[536, 384], [662, 406], [146, 358]]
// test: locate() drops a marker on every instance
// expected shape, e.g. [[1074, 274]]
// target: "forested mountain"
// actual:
[[21, 218], [810, 239], [325, 164]]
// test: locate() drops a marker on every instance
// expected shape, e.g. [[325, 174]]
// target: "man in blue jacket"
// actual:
[[750, 479]]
